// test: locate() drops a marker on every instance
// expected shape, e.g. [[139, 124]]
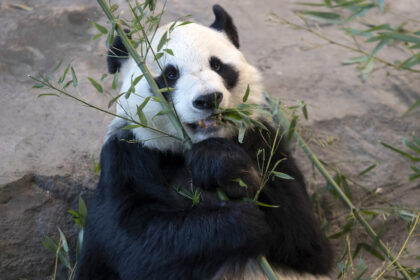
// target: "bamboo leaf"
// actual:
[[96, 85], [169, 51], [100, 28], [292, 128], [282, 175], [240, 182], [132, 126], [411, 145], [64, 242], [74, 77], [158, 56], [48, 94], [259, 203], [405, 154], [115, 80], [401, 37], [367, 170], [327, 17], [162, 41], [245, 98], [412, 107], [113, 100], [184, 23], [358, 59]]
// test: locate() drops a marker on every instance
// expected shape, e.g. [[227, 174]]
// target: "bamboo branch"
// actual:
[[332, 42], [355, 211]]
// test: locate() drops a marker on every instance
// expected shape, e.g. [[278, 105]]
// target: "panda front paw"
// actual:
[[219, 163]]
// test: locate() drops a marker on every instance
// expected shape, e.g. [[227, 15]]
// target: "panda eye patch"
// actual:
[[215, 64], [171, 72], [229, 74]]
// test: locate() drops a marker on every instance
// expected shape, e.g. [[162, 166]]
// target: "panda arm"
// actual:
[[298, 240], [152, 224]]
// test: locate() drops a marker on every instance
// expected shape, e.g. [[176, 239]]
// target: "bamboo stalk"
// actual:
[[148, 76], [356, 212]]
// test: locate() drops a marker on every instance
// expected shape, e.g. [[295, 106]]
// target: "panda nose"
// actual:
[[208, 101]]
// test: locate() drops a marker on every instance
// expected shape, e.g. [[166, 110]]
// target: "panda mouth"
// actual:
[[211, 123]]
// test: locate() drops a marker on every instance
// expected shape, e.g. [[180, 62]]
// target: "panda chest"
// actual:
[[175, 174]]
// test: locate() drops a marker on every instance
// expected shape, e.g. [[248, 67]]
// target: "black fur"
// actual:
[[140, 227], [169, 77], [224, 22], [229, 74], [117, 54]]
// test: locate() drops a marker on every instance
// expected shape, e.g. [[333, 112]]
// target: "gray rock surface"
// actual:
[[47, 144]]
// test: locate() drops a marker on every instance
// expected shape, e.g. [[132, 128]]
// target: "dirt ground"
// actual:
[[47, 144]]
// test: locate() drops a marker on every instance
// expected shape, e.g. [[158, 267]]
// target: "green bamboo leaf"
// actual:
[[50, 244], [64, 74], [74, 77], [401, 37], [282, 175], [57, 66], [367, 170], [67, 84], [348, 3], [411, 145], [115, 80], [407, 155], [367, 69], [245, 98], [184, 23], [64, 243], [142, 116], [358, 59], [327, 17], [39, 85], [48, 94], [113, 8], [97, 36], [137, 80], [240, 182], [292, 127], [96, 85], [169, 51], [262, 204], [305, 111], [100, 28], [114, 99], [380, 27], [410, 62], [412, 107], [162, 41], [82, 209], [311, 4], [158, 56]]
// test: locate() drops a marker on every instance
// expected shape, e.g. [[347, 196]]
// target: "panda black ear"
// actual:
[[117, 54], [223, 22]]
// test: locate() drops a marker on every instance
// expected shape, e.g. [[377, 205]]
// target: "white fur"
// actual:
[[192, 45]]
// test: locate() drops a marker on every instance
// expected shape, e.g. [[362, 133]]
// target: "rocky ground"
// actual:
[[48, 144]]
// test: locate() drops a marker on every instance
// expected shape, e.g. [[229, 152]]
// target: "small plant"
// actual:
[[61, 248], [413, 154]]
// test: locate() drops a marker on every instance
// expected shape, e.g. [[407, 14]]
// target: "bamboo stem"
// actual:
[[355, 211]]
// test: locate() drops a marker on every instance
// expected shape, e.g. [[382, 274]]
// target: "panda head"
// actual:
[[207, 71]]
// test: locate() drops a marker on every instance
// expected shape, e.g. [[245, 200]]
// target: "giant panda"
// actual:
[[138, 224]]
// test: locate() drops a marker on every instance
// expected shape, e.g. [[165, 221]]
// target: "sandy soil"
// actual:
[[56, 137]]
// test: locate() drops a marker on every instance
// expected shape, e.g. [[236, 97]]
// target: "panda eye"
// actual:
[[215, 64], [171, 72]]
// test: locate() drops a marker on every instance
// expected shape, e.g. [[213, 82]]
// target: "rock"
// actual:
[[31, 208]]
